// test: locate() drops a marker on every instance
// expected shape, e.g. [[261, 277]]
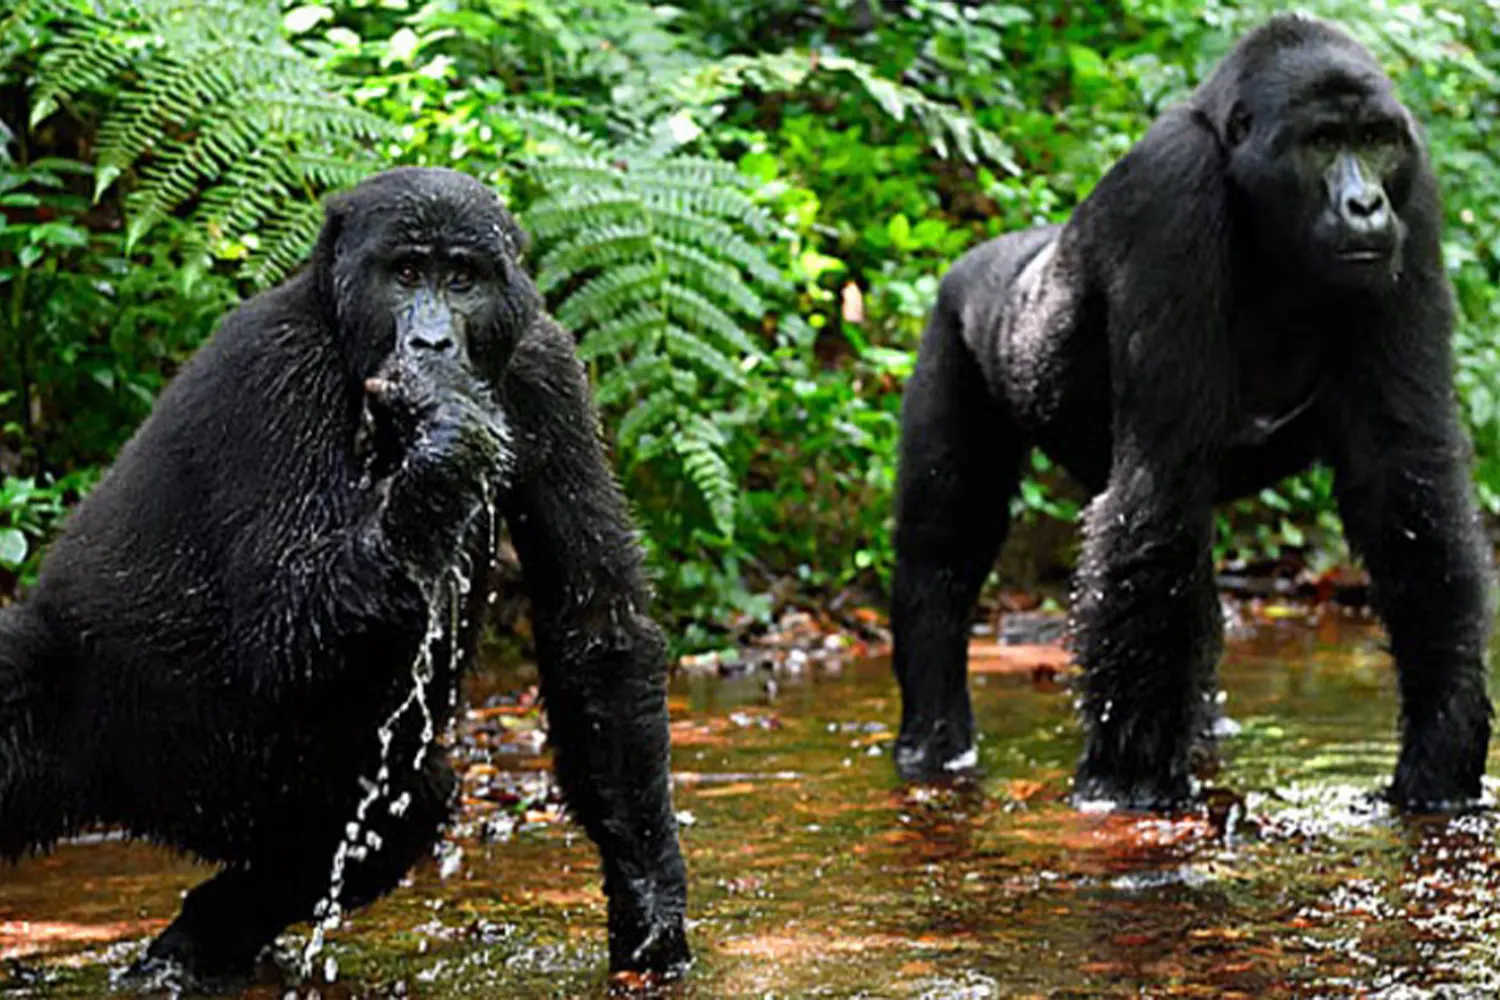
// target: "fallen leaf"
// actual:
[[998, 658], [19, 938], [1023, 790], [721, 791]]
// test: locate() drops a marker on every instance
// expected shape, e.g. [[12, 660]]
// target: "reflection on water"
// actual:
[[814, 873]]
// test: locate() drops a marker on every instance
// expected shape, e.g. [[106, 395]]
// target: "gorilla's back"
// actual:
[[140, 586]]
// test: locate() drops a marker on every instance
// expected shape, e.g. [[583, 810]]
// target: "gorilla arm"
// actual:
[[1400, 462], [343, 558], [602, 660]]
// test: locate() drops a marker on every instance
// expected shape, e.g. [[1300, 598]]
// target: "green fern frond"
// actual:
[[646, 258], [630, 332], [582, 208], [693, 171], [652, 413], [599, 248], [566, 171], [634, 378], [316, 119], [701, 447], [694, 309], [214, 115], [609, 293], [718, 240], [545, 129], [327, 172], [682, 345], [239, 205], [73, 68], [720, 202], [285, 244], [691, 264]]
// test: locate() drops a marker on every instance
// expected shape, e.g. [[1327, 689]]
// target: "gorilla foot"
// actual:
[[1418, 804], [1442, 760], [179, 962], [661, 953], [1432, 790], [936, 753], [646, 933], [1098, 792], [151, 974]]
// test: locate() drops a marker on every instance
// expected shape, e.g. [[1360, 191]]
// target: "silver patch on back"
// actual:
[[1030, 344]]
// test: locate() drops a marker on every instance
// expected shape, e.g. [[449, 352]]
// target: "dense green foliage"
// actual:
[[742, 210]]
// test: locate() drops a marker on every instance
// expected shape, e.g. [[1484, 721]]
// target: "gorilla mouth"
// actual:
[[1362, 255]]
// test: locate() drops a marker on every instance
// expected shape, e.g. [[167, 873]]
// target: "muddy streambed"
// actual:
[[814, 873]]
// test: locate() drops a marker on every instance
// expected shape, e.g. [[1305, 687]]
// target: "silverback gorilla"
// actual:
[[231, 615], [1256, 285]]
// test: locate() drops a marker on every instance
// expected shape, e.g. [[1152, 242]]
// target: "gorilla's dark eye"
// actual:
[[462, 278], [407, 273], [1325, 140]]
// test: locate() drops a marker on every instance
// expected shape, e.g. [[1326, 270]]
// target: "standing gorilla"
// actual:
[[231, 614], [1256, 285]]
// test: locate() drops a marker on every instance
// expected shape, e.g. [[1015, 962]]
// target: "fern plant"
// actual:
[[645, 256], [211, 110], [949, 130]]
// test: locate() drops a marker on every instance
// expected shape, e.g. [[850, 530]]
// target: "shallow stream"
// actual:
[[816, 874]]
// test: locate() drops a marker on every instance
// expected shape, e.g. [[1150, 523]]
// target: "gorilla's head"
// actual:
[[422, 259], [1321, 153]]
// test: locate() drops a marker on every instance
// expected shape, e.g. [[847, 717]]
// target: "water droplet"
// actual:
[[446, 601]]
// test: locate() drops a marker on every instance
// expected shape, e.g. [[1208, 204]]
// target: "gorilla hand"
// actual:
[[438, 447]]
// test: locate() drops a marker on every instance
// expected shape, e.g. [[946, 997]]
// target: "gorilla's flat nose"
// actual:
[[1364, 204], [428, 325], [437, 341]]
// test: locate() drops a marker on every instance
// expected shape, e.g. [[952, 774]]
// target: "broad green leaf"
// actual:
[[300, 19], [13, 548]]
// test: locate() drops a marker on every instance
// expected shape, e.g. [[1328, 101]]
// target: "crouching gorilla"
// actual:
[[229, 618], [1256, 285]]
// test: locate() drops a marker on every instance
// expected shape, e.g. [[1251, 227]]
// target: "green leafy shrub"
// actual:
[[742, 210]]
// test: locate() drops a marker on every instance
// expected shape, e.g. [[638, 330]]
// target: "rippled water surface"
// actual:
[[816, 874]]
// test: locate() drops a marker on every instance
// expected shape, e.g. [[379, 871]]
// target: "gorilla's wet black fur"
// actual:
[[1256, 285], [233, 611]]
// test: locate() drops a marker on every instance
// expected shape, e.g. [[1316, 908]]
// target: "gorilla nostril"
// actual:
[[1366, 205], [441, 345]]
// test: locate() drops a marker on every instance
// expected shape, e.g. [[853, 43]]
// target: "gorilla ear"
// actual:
[[335, 212], [515, 236], [1236, 125], [325, 253]]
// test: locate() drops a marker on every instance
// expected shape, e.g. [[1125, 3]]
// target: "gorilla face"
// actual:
[[424, 260], [1326, 158], [1358, 155]]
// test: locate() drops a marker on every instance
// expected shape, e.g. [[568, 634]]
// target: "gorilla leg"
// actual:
[[405, 839], [36, 801], [960, 458], [607, 716], [603, 662], [1413, 520], [229, 920], [1148, 629]]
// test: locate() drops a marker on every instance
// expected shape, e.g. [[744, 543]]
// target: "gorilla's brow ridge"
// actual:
[[435, 227]]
